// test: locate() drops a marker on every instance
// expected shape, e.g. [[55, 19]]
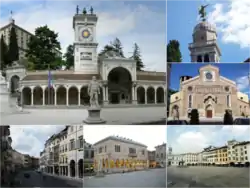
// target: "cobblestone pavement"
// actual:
[[120, 116], [208, 177], [149, 178]]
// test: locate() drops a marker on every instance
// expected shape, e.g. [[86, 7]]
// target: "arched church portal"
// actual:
[[209, 111], [119, 86], [14, 84]]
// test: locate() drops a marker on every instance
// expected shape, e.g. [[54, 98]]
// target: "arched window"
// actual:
[[199, 58], [206, 58], [190, 101], [228, 101]]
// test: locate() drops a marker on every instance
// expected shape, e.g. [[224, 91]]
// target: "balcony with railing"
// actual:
[[208, 42]]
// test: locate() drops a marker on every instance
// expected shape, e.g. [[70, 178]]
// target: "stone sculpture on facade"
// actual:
[[77, 9], [84, 11], [94, 111], [91, 10]]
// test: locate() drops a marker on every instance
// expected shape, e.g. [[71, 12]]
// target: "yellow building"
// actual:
[[221, 156]]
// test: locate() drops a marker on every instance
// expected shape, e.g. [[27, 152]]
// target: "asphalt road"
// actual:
[[41, 180], [149, 178]]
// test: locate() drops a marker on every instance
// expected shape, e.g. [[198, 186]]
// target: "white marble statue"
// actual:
[[94, 91]]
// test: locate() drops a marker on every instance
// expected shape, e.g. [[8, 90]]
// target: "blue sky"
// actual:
[[184, 139], [237, 72], [143, 22], [232, 37]]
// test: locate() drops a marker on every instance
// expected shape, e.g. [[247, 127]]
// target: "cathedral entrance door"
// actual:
[[209, 113]]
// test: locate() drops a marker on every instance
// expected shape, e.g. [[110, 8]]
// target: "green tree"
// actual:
[[173, 51], [118, 46], [107, 48], [137, 57], [58, 63], [3, 54], [42, 48], [13, 51], [69, 56]]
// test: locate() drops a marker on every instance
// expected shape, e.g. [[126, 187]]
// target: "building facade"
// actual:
[[152, 159], [160, 154], [117, 154], [23, 37], [63, 152], [120, 82], [88, 157], [210, 93]]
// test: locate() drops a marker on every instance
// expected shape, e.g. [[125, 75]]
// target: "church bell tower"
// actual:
[[85, 44], [204, 47]]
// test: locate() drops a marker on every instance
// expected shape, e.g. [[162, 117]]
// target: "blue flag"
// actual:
[[49, 80]]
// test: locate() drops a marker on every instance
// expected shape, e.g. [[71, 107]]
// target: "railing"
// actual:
[[209, 42]]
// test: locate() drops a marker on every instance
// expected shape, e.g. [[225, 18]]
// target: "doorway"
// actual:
[[115, 98], [209, 113]]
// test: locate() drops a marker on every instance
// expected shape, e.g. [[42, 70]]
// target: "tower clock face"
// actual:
[[85, 34]]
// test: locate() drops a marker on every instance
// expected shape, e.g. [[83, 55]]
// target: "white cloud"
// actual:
[[148, 135], [31, 139], [116, 20], [232, 19], [242, 83], [196, 138]]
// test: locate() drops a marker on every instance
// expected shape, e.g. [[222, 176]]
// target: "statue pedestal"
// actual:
[[94, 116]]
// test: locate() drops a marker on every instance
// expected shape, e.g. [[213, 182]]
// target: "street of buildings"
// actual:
[[63, 153], [118, 154], [12, 161], [233, 153]]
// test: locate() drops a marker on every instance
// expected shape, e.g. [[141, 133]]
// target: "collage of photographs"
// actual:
[[125, 93]]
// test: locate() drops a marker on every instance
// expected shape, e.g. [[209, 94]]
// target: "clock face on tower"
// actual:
[[85, 34]]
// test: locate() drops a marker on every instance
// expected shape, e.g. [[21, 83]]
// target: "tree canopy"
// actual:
[[13, 51], [137, 57], [117, 45], [69, 56], [3, 54], [173, 51], [42, 49]]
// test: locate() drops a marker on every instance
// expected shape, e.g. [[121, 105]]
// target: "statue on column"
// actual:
[[84, 11], [77, 9], [94, 91], [91, 10]]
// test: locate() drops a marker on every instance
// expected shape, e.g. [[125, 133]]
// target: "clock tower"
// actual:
[[85, 45]]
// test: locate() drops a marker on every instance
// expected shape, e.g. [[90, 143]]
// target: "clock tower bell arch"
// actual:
[[85, 44]]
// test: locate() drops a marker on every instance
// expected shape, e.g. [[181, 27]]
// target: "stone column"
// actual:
[[43, 97], [79, 98], [146, 100], [133, 93], [202, 57], [32, 97], [155, 95], [67, 97], [103, 93], [55, 97], [76, 171]]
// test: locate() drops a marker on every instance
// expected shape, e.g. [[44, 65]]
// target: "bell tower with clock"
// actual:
[[85, 44]]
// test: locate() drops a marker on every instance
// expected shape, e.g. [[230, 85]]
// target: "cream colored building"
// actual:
[[119, 79], [242, 152], [23, 37], [115, 154], [160, 154], [209, 92]]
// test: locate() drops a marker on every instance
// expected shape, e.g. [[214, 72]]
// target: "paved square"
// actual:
[[113, 116]]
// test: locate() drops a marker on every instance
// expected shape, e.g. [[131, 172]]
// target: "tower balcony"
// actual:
[[200, 44]]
